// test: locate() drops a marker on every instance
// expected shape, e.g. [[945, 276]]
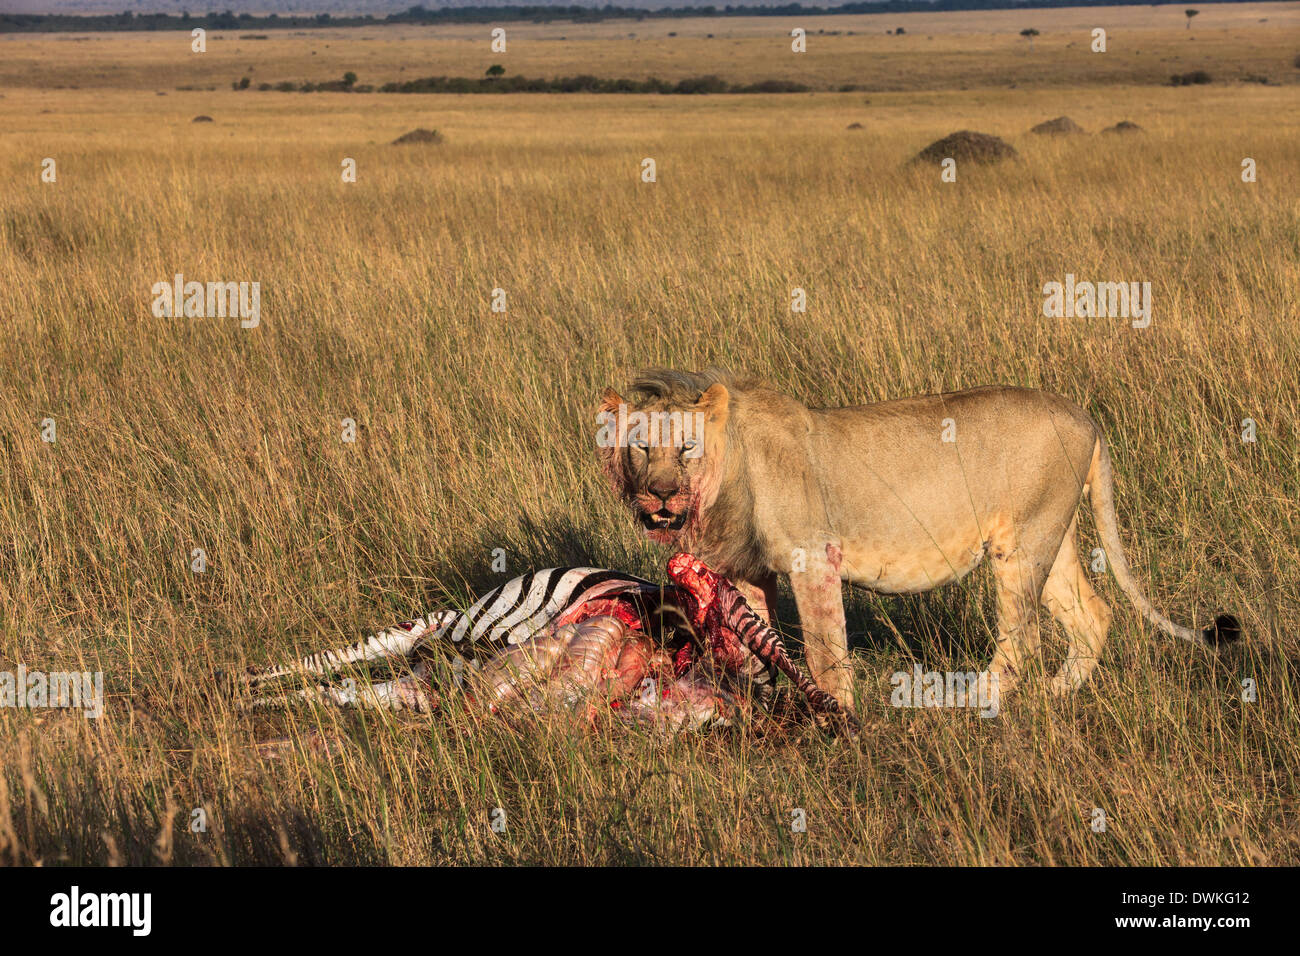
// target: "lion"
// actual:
[[898, 497]]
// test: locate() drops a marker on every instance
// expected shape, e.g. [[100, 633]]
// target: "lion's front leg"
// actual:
[[760, 596], [820, 599]]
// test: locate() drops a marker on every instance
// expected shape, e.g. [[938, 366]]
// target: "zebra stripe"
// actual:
[[513, 595], [533, 613], [550, 594], [476, 609], [569, 588], [496, 604]]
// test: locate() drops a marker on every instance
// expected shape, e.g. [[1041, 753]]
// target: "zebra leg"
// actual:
[[409, 692], [761, 598], [505, 616], [396, 642], [717, 606]]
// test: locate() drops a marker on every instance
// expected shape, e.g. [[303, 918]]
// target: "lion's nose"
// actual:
[[663, 490]]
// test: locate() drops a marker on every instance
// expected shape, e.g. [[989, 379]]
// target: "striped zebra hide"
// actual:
[[541, 627]]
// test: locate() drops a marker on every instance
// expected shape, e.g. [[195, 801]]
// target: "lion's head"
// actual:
[[664, 452]]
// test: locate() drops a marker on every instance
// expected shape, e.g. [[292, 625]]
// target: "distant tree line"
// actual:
[[496, 83], [58, 22]]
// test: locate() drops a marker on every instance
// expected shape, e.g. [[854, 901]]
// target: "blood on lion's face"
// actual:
[[661, 482], [662, 458]]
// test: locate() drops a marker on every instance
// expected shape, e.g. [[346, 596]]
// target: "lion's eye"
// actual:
[[640, 444], [690, 445]]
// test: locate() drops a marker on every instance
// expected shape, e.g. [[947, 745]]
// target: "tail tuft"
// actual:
[[1225, 629]]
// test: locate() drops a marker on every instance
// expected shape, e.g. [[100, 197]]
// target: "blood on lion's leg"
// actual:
[[819, 596]]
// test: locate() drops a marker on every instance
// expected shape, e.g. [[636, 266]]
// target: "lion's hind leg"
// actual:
[[1019, 572], [1069, 596]]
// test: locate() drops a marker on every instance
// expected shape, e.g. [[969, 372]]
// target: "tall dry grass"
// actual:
[[475, 434]]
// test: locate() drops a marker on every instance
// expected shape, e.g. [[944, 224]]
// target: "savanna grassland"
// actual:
[[475, 428]]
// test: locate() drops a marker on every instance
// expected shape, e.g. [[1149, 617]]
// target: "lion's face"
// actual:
[[660, 486], [664, 459]]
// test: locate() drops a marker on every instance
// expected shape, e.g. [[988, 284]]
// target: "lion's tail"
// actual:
[[1101, 492]]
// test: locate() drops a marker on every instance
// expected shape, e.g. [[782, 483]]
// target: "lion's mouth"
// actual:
[[663, 520]]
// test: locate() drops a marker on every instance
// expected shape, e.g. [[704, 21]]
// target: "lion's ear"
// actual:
[[716, 403], [610, 400], [611, 427]]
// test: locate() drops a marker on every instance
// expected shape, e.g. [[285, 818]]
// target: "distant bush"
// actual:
[[418, 136], [1195, 78], [344, 85], [702, 84], [773, 86]]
